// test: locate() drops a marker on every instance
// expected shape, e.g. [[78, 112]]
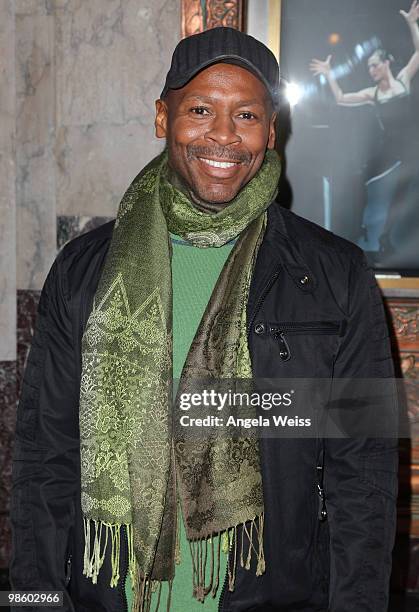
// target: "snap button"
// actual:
[[304, 279], [259, 328], [284, 355]]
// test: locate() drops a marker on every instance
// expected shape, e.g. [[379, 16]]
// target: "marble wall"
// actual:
[[7, 184], [87, 75], [7, 261], [78, 81]]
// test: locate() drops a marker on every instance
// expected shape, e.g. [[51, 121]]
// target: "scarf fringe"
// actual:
[[201, 550], [93, 560], [94, 556], [144, 588], [227, 542]]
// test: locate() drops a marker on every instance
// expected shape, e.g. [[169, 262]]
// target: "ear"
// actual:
[[272, 132], [160, 122]]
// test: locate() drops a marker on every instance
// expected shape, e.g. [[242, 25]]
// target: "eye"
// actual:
[[199, 110], [247, 115]]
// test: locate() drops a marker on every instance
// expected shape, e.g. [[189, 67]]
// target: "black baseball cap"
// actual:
[[196, 52]]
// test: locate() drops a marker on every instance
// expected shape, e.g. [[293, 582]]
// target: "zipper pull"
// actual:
[[322, 514], [284, 349], [68, 571]]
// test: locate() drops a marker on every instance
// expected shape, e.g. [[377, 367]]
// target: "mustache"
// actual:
[[221, 153]]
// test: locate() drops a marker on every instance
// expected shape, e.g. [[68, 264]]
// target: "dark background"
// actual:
[[335, 141]]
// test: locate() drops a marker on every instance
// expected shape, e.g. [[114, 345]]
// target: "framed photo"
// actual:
[[351, 74]]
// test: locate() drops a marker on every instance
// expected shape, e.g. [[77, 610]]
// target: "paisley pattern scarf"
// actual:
[[135, 465]]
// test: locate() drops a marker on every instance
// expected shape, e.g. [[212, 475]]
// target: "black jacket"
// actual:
[[303, 274]]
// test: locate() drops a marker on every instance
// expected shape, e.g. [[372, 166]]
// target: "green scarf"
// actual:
[[134, 463]]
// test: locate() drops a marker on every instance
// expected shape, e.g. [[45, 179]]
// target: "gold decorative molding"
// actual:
[[192, 17], [200, 15], [405, 317], [405, 330], [398, 288], [224, 13], [274, 27]]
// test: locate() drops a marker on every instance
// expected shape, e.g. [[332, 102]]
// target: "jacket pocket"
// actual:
[[284, 331], [26, 421], [380, 470]]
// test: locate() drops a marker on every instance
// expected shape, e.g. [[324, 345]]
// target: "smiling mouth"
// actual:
[[218, 164]]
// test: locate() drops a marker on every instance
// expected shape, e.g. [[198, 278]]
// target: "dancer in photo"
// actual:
[[390, 96]]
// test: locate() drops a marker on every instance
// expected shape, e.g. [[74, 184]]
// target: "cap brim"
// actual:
[[227, 59]]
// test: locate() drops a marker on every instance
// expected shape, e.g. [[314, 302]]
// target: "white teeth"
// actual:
[[217, 164]]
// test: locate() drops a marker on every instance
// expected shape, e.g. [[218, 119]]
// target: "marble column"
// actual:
[[111, 62], [7, 184], [35, 139], [7, 266]]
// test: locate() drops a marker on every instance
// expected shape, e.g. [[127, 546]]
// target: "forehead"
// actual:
[[374, 59], [225, 82]]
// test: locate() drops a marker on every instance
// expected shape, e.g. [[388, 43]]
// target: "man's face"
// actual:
[[217, 127]]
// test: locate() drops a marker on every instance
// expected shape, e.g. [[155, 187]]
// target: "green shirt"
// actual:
[[194, 274]]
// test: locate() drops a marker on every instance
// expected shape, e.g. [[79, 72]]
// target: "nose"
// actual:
[[223, 130]]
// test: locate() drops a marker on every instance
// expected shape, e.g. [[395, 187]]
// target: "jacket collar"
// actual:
[[286, 242], [279, 250]]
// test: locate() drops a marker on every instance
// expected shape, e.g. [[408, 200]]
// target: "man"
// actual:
[[201, 252]]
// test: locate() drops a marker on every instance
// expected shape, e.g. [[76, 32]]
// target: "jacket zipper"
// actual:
[[70, 547], [68, 570], [223, 588], [303, 327], [124, 565], [322, 513], [262, 298]]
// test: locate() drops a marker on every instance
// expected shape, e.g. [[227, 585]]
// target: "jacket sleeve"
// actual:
[[360, 473], [46, 463]]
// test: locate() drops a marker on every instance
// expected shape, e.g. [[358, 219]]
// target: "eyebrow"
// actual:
[[209, 100]]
